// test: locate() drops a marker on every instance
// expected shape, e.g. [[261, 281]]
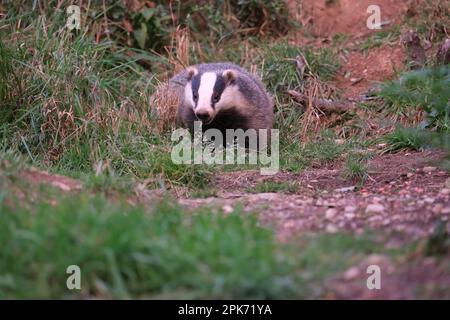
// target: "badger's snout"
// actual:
[[203, 116]]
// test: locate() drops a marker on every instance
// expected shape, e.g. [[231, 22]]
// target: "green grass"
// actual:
[[403, 139], [279, 68], [425, 90], [274, 186], [381, 37], [126, 252], [71, 104], [355, 167], [78, 105], [431, 19], [296, 157], [203, 193], [134, 252]]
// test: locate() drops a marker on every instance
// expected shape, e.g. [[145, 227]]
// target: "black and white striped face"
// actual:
[[209, 92]]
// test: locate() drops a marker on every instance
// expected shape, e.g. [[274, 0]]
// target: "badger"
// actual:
[[222, 96]]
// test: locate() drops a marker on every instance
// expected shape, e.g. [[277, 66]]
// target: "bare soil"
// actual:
[[360, 72], [410, 200], [403, 200], [63, 183], [322, 20], [325, 18]]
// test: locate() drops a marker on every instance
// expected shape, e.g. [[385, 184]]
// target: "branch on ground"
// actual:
[[324, 105]]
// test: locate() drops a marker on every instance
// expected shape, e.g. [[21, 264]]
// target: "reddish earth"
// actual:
[[361, 71], [42, 177], [411, 195], [399, 279], [408, 202], [325, 18]]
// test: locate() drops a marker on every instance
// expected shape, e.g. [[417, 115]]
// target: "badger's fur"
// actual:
[[222, 96]]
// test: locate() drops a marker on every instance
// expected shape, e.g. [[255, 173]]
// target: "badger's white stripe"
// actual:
[[231, 97], [205, 92], [189, 99]]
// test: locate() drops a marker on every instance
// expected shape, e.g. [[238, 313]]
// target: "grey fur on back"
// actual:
[[249, 85]]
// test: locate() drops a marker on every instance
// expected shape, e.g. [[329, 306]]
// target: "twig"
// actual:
[[324, 105]]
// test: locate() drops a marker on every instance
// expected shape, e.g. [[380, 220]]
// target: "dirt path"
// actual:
[[399, 197], [406, 194], [404, 199]]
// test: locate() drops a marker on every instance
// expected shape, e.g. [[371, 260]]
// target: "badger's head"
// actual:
[[209, 92]]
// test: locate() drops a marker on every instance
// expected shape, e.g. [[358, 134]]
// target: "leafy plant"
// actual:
[[355, 167], [426, 90], [403, 138], [274, 186]]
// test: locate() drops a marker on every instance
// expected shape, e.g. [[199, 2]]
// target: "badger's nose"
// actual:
[[203, 116]]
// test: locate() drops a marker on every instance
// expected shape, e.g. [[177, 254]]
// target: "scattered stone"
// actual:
[[331, 228], [339, 141], [374, 208], [227, 208], [409, 174], [350, 209], [377, 199], [289, 224], [350, 215], [325, 203], [346, 189], [429, 169], [437, 208], [351, 273], [447, 183], [267, 196], [428, 200], [445, 210], [331, 213], [300, 202], [445, 191]]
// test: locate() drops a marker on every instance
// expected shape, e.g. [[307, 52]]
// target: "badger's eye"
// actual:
[[195, 97], [216, 98]]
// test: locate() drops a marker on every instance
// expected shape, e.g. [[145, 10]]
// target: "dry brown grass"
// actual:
[[434, 14], [317, 115], [57, 126], [164, 102], [178, 50]]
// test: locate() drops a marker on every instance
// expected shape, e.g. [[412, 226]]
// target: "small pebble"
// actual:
[[374, 208], [331, 228], [429, 169], [331, 213]]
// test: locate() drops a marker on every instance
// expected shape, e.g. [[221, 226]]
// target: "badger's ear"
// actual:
[[229, 76], [191, 72]]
